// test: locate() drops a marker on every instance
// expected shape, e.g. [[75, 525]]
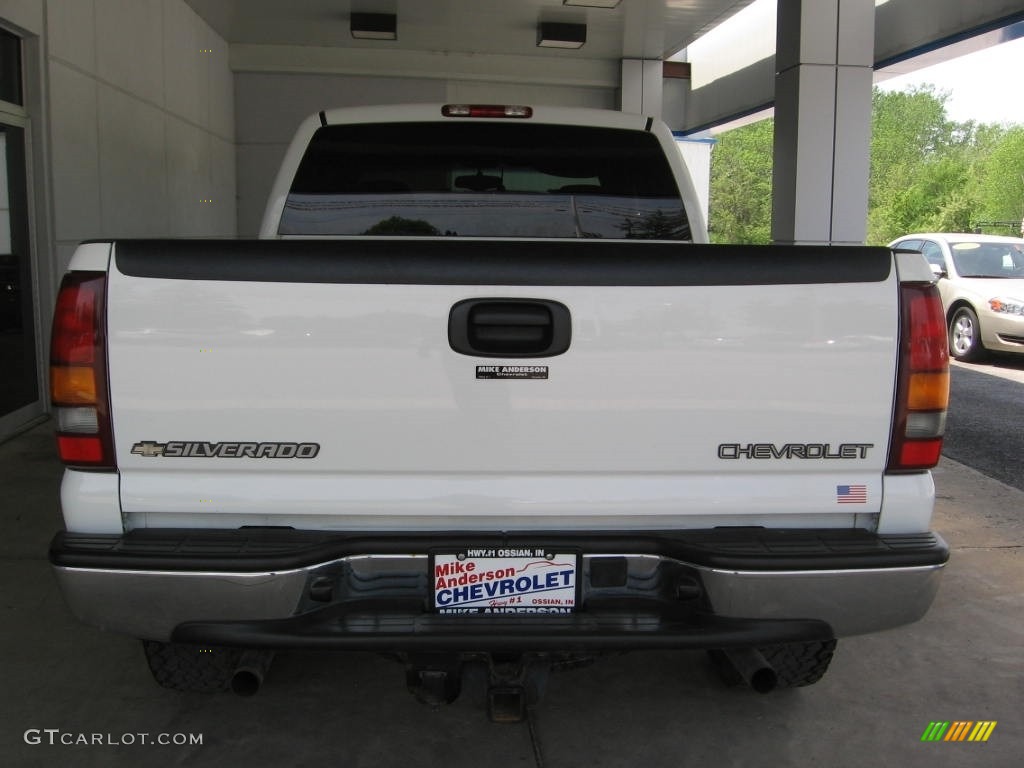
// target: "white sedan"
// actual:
[[981, 280]]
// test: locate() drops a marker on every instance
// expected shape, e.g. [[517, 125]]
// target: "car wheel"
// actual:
[[965, 336]]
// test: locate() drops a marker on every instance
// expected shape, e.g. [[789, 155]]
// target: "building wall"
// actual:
[[129, 110], [141, 116]]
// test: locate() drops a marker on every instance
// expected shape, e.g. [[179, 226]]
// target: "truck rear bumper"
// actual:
[[682, 589]]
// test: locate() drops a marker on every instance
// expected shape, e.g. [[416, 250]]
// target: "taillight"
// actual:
[[922, 384], [78, 373], [486, 110]]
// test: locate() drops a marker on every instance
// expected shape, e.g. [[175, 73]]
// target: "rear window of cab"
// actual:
[[484, 179]]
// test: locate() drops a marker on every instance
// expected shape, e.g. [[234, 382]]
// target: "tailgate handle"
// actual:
[[509, 328]]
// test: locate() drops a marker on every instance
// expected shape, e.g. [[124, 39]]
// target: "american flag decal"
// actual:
[[851, 494]]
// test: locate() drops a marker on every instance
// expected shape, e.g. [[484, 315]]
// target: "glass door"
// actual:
[[19, 369], [20, 372]]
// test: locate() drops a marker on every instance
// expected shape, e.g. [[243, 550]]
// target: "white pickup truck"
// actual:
[[482, 392]]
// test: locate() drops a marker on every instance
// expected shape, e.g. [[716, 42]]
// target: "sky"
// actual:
[[985, 86], [982, 74]]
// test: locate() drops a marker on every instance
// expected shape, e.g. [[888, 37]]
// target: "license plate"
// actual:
[[505, 580]]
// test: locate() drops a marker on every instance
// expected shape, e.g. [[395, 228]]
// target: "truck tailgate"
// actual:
[[312, 384]]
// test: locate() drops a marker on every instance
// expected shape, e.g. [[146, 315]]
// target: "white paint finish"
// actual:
[[909, 500], [75, 155], [90, 256], [631, 416], [697, 157], [130, 46], [71, 32], [448, 502], [133, 166], [91, 502]]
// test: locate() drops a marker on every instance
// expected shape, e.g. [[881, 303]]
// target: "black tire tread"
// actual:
[[194, 668], [800, 664]]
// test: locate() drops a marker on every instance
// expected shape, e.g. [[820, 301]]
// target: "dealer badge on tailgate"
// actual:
[[509, 580]]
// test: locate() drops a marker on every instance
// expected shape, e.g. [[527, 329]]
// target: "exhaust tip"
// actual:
[[246, 682], [764, 680], [252, 667], [753, 668]]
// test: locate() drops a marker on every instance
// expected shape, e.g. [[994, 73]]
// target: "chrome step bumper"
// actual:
[[680, 589]]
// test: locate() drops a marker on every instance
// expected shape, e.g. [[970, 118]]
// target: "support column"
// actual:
[[824, 62], [641, 87]]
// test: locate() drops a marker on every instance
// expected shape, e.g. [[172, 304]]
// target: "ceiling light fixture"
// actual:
[[592, 3], [552, 34], [374, 26]]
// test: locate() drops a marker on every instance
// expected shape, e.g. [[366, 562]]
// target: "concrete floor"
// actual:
[[962, 662]]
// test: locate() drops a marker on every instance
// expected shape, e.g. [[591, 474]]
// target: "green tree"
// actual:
[[940, 198], [928, 173], [920, 164], [1002, 178], [740, 209]]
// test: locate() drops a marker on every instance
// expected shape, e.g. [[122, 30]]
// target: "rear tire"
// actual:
[[795, 664], [799, 664], [194, 668], [965, 336]]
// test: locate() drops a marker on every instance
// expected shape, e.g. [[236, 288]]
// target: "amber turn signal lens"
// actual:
[[72, 385], [928, 391]]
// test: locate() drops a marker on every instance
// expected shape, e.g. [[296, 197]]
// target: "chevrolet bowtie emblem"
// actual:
[[148, 448]]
